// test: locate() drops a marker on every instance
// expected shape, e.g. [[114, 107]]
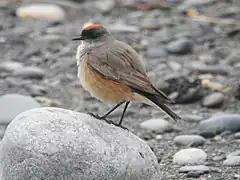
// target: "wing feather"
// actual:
[[120, 62]]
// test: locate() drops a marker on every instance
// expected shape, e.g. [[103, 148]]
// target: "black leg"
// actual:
[[124, 110], [109, 112]]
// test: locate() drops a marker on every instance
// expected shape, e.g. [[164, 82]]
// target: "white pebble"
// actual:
[[41, 12]]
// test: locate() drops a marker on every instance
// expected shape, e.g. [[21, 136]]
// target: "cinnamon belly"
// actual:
[[101, 88]]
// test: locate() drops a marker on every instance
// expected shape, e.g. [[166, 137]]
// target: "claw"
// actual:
[[106, 120], [100, 118], [119, 125]]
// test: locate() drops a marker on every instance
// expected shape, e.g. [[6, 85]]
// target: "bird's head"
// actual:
[[93, 33]]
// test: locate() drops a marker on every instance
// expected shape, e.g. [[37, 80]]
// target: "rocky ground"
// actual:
[[191, 50]]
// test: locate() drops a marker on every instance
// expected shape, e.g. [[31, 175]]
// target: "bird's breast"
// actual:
[[105, 90]]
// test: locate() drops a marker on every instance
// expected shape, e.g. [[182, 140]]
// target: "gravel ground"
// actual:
[[180, 52]]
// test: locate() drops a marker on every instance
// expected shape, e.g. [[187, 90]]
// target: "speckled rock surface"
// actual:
[[54, 144]]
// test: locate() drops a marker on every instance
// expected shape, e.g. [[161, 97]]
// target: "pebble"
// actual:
[[234, 59], [205, 69], [42, 11], [30, 72], [13, 104], [193, 3], [190, 156], [10, 66], [192, 118], [236, 153], [36, 90], [156, 52], [174, 65], [156, 125], [219, 158], [232, 161], [198, 168], [105, 5], [222, 52], [219, 124], [18, 34], [189, 140], [194, 174], [228, 11], [237, 135], [14, 82], [213, 100], [180, 46], [45, 101], [192, 95], [159, 137], [121, 27]]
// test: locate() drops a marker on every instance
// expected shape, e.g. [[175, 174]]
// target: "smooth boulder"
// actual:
[[54, 144]]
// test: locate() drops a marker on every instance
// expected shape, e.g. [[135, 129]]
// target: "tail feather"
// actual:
[[160, 101], [165, 109]]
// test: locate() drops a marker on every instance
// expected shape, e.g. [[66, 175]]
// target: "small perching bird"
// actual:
[[112, 71]]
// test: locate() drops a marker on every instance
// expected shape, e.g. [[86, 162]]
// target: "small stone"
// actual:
[[180, 46], [30, 72], [192, 95], [14, 82], [222, 52], [120, 27], [232, 161], [156, 125], [190, 156], [193, 4], [192, 118], [54, 143], [105, 5], [10, 66], [156, 52], [234, 59], [219, 158], [206, 69], [228, 11], [237, 176], [237, 65], [13, 104], [198, 168], [45, 101], [237, 135], [41, 12], [159, 137], [213, 100], [36, 90], [174, 65], [19, 34], [236, 153], [150, 24], [189, 140], [194, 174], [219, 124]]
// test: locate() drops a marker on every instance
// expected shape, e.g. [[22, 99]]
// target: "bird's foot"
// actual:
[[119, 125], [100, 118], [106, 120]]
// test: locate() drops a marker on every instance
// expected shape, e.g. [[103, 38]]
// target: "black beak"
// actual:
[[78, 38]]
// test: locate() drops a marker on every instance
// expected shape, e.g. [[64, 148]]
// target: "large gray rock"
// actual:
[[58, 144]]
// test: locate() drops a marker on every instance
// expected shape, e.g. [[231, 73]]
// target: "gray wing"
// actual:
[[120, 62]]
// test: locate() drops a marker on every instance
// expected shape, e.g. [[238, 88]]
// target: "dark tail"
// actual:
[[164, 108], [160, 101]]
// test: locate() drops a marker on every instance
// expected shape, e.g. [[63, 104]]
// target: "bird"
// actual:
[[113, 72]]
